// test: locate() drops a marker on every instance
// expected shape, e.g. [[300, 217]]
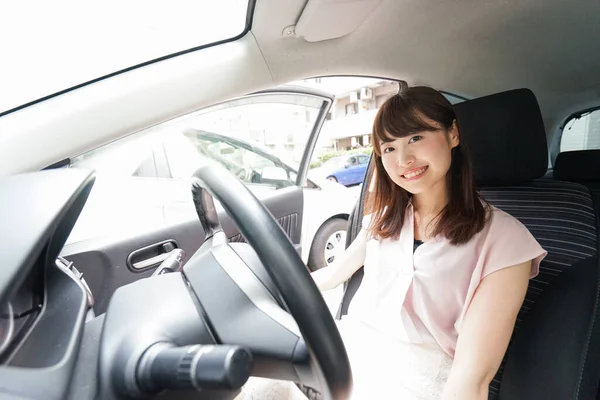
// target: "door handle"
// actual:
[[150, 256], [150, 262]]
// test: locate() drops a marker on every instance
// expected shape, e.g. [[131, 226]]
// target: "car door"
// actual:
[[141, 206], [363, 162], [352, 170]]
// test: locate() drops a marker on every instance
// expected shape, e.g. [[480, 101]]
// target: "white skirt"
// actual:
[[382, 368]]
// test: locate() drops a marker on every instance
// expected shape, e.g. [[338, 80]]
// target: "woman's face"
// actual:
[[420, 161]]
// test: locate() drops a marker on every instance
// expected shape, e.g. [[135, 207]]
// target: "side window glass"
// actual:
[[129, 157], [248, 165], [142, 181], [147, 168], [582, 133], [260, 139]]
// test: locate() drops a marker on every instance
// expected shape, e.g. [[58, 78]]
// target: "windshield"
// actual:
[[63, 43]]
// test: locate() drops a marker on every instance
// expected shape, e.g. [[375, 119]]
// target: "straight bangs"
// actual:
[[397, 118]]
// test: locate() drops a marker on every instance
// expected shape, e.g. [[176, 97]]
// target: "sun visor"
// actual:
[[330, 19]]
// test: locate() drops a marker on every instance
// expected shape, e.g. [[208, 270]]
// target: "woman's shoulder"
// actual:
[[501, 222], [509, 242]]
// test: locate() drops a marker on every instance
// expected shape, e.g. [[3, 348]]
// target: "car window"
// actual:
[[260, 139], [581, 133], [352, 161], [250, 166], [132, 156], [363, 160], [140, 31], [143, 181]]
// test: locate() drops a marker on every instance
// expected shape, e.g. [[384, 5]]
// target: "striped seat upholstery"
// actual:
[[555, 349], [561, 216]]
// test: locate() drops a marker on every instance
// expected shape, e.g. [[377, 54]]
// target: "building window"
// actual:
[[351, 109]]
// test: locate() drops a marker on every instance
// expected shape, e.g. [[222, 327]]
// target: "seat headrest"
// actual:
[[505, 135], [578, 166]]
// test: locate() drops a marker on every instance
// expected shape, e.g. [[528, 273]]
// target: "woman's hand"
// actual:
[[344, 265], [485, 332]]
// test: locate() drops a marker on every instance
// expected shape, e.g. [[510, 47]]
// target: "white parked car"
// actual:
[[147, 180]]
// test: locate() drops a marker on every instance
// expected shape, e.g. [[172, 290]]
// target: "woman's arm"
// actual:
[[344, 265], [486, 332]]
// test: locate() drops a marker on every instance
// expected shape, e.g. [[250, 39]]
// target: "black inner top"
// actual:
[[417, 244]]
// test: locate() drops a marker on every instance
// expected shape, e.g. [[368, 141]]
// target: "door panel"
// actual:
[[131, 210], [104, 261]]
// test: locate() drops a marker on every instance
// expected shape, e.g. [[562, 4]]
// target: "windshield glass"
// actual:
[[63, 43]]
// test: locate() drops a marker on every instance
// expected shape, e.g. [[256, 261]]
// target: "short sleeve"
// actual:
[[509, 243]]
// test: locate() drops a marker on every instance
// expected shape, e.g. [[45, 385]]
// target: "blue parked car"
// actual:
[[346, 170]]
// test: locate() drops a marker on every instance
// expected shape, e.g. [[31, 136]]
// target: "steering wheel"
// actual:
[[233, 310], [319, 358]]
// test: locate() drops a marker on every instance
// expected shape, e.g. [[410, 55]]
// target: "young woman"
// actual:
[[445, 273]]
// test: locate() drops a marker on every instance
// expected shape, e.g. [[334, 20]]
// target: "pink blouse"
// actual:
[[422, 297]]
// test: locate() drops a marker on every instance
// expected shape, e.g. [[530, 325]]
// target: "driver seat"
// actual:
[[555, 349]]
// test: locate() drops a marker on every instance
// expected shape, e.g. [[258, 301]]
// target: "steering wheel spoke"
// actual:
[[242, 310]]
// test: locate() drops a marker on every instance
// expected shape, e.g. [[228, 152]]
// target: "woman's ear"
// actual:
[[454, 135]]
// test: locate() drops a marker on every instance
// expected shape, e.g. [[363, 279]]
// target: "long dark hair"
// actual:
[[466, 213]]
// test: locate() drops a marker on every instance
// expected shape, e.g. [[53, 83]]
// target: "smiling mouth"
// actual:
[[414, 174]]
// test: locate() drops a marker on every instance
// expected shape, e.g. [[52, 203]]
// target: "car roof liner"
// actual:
[[329, 19]]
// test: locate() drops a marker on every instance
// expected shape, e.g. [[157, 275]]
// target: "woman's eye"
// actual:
[[415, 138], [388, 149]]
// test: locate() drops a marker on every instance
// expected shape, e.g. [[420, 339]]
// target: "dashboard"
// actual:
[[53, 346], [43, 300], [220, 319], [20, 311]]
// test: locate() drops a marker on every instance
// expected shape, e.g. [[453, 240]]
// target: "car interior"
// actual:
[[191, 310]]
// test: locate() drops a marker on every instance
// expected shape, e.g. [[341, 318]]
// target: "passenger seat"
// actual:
[[555, 348]]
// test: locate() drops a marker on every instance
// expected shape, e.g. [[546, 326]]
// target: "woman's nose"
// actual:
[[405, 158]]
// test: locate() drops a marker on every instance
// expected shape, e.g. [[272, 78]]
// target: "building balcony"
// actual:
[[358, 124]]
